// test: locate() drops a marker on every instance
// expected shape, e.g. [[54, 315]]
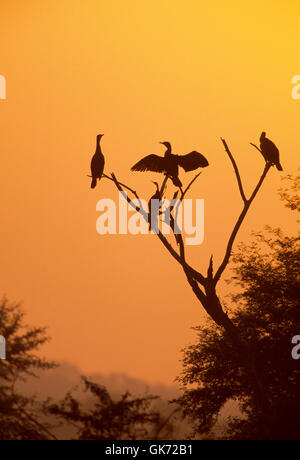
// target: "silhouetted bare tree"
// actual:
[[204, 286]]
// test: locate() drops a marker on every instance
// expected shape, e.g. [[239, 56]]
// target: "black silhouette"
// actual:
[[169, 164], [270, 151], [156, 196], [204, 285], [97, 164]]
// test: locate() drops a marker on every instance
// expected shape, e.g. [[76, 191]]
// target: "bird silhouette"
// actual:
[[97, 163], [270, 151], [169, 164], [156, 196]]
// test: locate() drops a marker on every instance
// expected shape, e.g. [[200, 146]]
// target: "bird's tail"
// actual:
[[279, 167], [94, 182], [176, 181]]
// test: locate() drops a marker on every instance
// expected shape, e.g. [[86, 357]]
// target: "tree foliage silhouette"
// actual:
[[290, 195], [268, 316], [19, 414], [127, 418]]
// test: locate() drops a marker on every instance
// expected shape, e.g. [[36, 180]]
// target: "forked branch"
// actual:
[[257, 148], [236, 170], [238, 224]]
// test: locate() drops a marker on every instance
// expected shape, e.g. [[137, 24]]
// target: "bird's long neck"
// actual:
[[98, 146], [168, 151]]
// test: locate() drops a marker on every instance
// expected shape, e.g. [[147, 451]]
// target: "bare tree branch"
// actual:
[[162, 189], [239, 180], [105, 176], [37, 423], [196, 275], [256, 147], [191, 279], [165, 422], [176, 203], [238, 225], [183, 193]]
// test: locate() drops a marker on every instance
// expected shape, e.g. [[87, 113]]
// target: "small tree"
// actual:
[[106, 419], [20, 415]]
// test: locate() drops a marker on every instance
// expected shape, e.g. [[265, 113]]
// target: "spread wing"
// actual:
[[192, 160], [150, 163]]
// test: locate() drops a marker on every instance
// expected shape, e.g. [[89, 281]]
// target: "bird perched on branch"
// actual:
[[169, 164], [97, 164], [270, 151], [156, 196]]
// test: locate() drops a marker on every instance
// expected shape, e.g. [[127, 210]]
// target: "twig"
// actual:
[[163, 186], [119, 186], [38, 424], [105, 176], [165, 422], [256, 147], [183, 193], [236, 170], [178, 203], [172, 205], [193, 282]]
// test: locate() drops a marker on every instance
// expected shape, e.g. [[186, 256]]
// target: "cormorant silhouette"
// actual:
[[169, 164], [270, 151], [156, 196], [97, 163]]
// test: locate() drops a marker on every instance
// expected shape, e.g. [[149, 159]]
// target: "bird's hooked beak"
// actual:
[[167, 145], [99, 136]]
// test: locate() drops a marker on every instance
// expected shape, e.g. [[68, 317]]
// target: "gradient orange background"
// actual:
[[141, 72]]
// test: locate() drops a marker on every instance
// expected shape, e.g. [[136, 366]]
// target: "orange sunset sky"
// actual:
[[140, 72]]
